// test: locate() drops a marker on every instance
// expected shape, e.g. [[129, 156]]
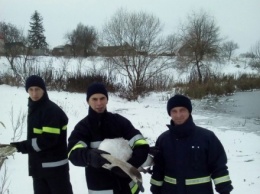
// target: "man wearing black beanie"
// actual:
[[46, 143], [190, 157], [84, 141]]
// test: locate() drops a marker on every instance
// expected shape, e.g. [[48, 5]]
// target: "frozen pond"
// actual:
[[241, 111]]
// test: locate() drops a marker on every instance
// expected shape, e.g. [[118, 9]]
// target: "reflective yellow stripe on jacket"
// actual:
[[52, 130], [196, 181], [221, 179], [80, 144], [137, 140]]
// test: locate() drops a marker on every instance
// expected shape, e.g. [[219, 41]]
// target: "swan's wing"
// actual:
[[6, 150], [126, 167]]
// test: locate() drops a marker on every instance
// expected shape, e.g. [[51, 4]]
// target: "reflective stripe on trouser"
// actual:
[[132, 185], [101, 192], [54, 164]]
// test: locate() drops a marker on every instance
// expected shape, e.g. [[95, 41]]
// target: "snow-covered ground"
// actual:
[[150, 117]]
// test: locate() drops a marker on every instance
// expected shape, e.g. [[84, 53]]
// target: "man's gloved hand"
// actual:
[[19, 146], [95, 159], [118, 171], [154, 151]]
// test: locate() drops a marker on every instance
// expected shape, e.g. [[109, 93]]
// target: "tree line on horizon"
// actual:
[[137, 49]]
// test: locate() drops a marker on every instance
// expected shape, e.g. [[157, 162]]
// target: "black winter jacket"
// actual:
[[89, 133], [190, 158], [46, 142]]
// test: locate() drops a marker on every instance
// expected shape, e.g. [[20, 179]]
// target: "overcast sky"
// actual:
[[238, 19]]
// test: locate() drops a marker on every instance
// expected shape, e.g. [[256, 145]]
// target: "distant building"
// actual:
[[168, 54], [39, 52], [63, 50], [109, 51]]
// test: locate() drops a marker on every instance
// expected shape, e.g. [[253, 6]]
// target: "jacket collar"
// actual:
[[184, 130], [96, 118], [35, 104]]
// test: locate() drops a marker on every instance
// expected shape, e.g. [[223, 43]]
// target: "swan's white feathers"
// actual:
[[117, 147]]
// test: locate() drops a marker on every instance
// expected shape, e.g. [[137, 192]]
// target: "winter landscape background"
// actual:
[[238, 131], [239, 134]]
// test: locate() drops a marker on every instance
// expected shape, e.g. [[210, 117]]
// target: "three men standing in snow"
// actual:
[[189, 157]]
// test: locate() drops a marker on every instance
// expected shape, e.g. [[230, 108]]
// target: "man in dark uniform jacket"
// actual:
[[190, 157], [84, 140], [46, 143]]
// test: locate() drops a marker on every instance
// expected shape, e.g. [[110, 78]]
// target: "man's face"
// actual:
[[35, 93], [98, 102], [179, 115]]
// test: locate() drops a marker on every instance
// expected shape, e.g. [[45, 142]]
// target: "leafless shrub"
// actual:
[[17, 124], [4, 182], [2, 124]]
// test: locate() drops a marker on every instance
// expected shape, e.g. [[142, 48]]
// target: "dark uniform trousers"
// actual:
[[53, 185]]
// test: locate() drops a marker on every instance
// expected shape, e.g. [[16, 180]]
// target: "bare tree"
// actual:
[[172, 44], [83, 40], [228, 48], [135, 39], [255, 59], [201, 42], [14, 41], [256, 50], [10, 32], [17, 50]]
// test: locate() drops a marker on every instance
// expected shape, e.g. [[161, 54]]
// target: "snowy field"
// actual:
[[150, 117]]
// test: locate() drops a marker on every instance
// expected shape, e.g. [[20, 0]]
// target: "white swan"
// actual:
[[120, 152]]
